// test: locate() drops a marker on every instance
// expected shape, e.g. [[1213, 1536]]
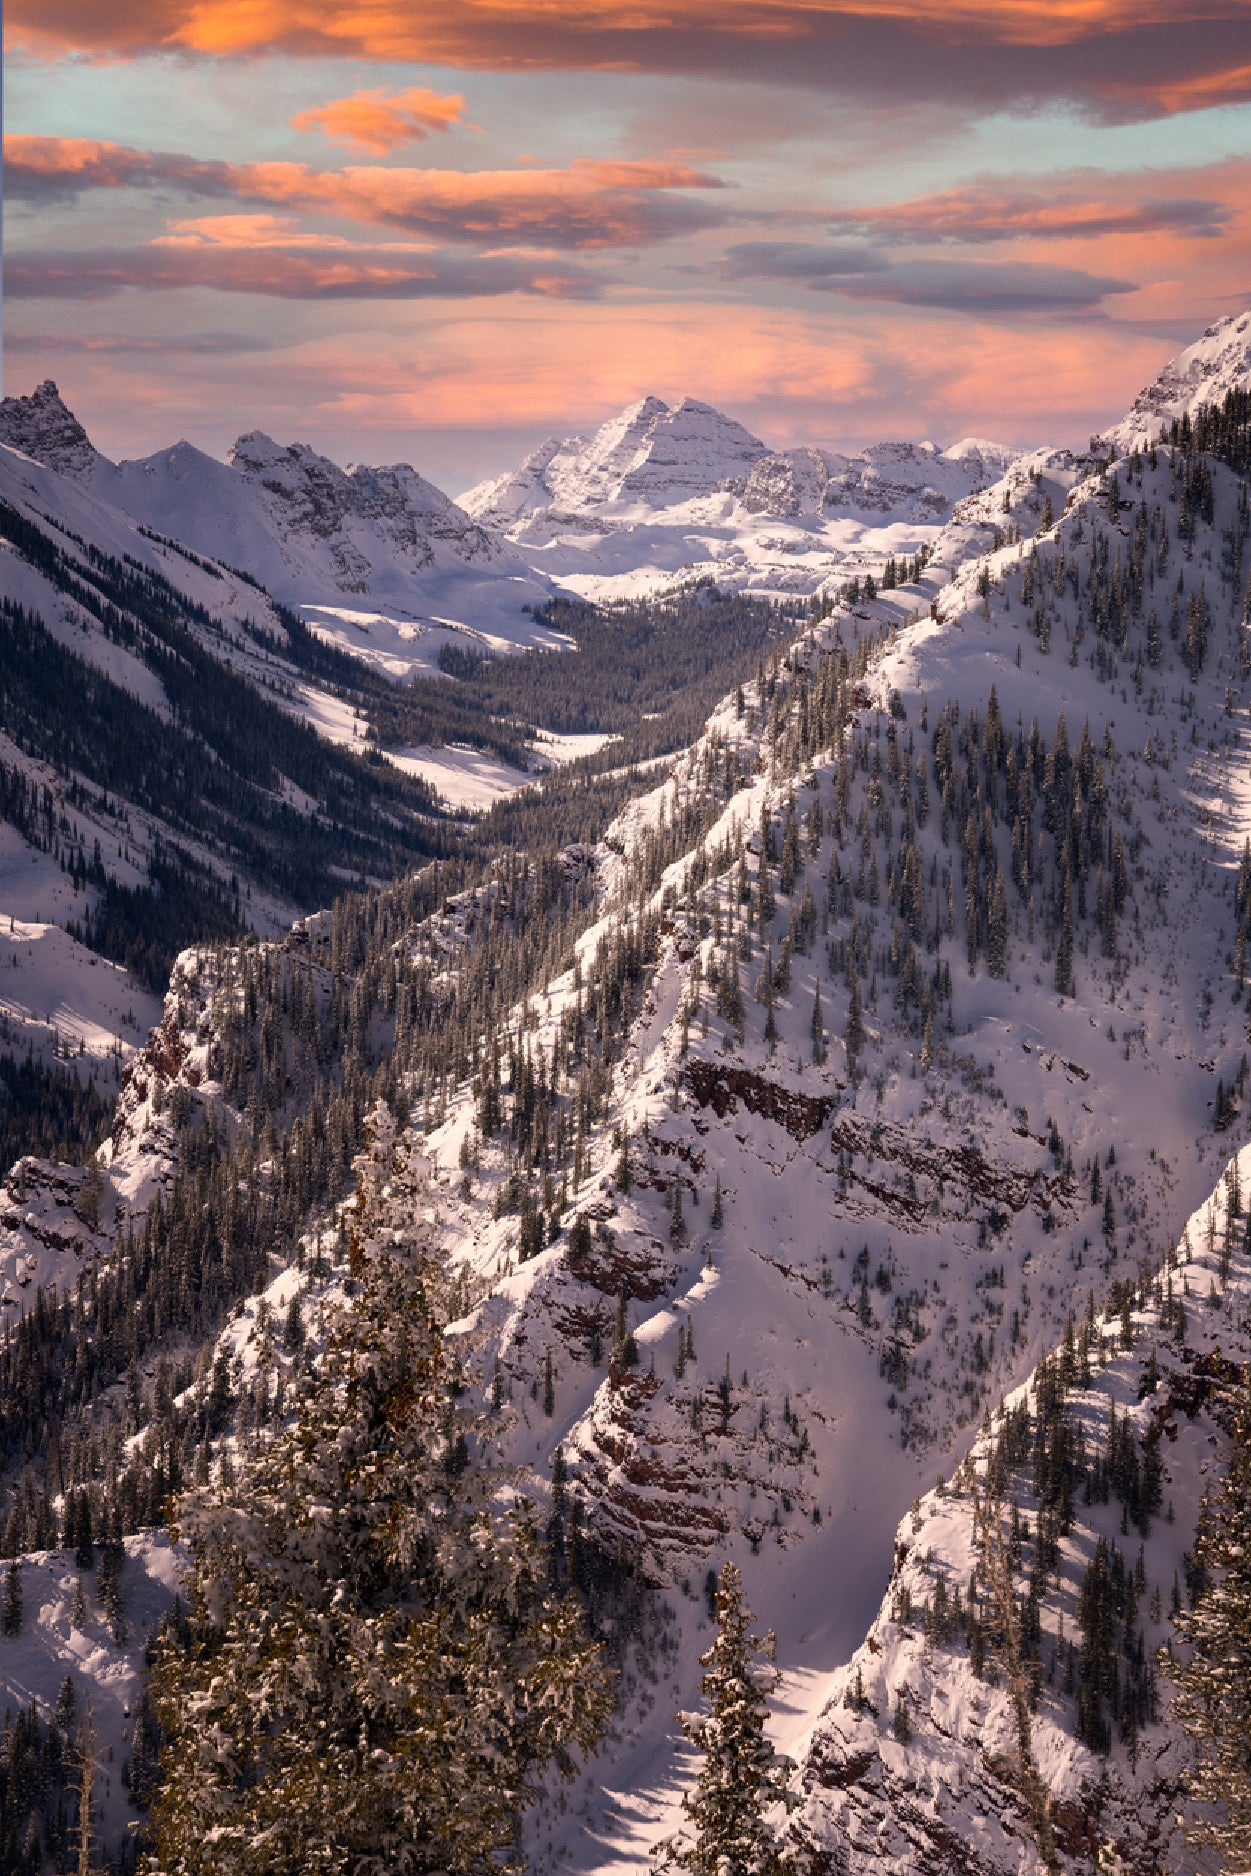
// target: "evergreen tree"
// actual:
[[83, 1540], [677, 1223], [1213, 1700], [12, 1615], [374, 1666], [1064, 947], [997, 939], [818, 1026], [853, 1031], [742, 1777], [293, 1327]]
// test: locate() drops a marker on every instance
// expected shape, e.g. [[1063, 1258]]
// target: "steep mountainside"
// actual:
[[812, 1246], [1092, 1474], [125, 657]]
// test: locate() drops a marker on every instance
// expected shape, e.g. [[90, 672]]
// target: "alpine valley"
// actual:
[[775, 924]]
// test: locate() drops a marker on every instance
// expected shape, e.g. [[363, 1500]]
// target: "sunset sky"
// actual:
[[440, 230]]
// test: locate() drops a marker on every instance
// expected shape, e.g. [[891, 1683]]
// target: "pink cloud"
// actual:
[[379, 123], [589, 204]]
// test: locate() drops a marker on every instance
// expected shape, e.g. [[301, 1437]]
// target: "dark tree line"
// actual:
[[49, 1111]]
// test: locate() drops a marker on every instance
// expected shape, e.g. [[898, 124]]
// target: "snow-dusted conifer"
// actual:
[[853, 1030], [742, 1777], [375, 1664], [12, 1614]]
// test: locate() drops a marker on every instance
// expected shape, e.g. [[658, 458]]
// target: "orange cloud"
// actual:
[[1114, 57], [589, 204], [374, 121], [459, 31], [1205, 90], [243, 231]]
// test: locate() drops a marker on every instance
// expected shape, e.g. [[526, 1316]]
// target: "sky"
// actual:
[[438, 231]]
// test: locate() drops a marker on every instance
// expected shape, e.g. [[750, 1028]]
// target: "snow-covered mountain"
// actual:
[[648, 458], [863, 1099], [159, 768], [662, 496], [378, 559], [1203, 373]]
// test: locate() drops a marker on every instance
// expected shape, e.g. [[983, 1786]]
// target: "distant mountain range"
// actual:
[[651, 459], [378, 558]]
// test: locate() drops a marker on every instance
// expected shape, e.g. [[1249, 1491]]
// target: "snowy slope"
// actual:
[[902, 481], [904, 1233], [314, 535], [129, 609], [47, 1235], [52, 1645], [1201, 374]]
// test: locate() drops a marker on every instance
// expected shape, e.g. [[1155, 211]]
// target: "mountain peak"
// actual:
[[43, 427], [1203, 373], [650, 454]]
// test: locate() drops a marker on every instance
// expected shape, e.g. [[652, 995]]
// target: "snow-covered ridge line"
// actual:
[[1032, 1086]]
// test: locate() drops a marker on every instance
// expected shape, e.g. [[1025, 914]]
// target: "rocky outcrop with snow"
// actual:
[[55, 1220], [1217, 363], [895, 481], [43, 428]]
